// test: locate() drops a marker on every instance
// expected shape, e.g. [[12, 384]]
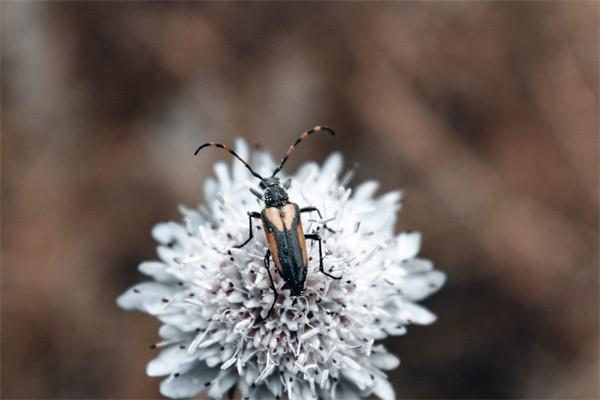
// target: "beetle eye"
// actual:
[[287, 184], [262, 185]]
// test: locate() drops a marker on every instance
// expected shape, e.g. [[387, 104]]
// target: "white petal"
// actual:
[[304, 173], [142, 295], [345, 391], [182, 387], [188, 384], [383, 389], [169, 231], [365, 191], [240, 173], [192, 218], [178, 319], [222, 384], [396, 330], [210, 190], [390, 198], [222, 173], [169, 332], [265, 166], [168, 361], [236, 297], [419, 286], [168, 255], [303, 389], [415, 265], [155, 269], [408, 244], [274, 384], [359, 378], [263, 393], [384, 360], [413, 313], [332, 165], [162, 232]]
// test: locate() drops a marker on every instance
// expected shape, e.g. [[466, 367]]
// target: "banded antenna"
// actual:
[[301, 138], [233, 153]]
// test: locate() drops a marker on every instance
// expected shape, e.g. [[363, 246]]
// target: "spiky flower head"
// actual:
[[213, 299]]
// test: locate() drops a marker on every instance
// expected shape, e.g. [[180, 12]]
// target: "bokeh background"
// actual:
[[485, 113]]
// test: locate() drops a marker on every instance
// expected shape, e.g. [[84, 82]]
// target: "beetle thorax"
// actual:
[[275, 196]]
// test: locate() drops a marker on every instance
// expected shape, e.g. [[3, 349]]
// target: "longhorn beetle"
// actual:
[[282, 224]]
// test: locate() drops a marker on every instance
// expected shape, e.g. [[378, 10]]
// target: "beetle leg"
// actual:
[[310, 209], [251, 215], [317, 237], [267, 262], [257, 194]]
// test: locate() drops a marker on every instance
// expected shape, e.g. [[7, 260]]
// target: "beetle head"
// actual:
[[275, 195], [272, 181]]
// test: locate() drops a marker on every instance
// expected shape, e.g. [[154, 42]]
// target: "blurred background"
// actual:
[[485, 113]]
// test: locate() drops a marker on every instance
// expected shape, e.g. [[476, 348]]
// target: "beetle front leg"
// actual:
[[251, 215], [317, 237], [267, 262]]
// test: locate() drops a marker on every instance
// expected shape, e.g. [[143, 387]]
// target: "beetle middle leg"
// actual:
[[251, 215], [317, 237], [267, 262], [310, 209]]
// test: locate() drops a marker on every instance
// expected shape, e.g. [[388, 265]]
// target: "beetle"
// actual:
[[282, 224]]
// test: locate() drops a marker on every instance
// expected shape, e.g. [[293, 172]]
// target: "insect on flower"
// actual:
[[216, 303], [282, 223]]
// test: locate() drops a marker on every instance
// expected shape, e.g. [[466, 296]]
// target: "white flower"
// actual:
[[211, 297]]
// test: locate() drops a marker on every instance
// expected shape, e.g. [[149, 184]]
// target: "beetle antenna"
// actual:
[[301, 138], [233, 153]]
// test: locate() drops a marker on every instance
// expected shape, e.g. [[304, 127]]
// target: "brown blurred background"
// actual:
[[485, 113]]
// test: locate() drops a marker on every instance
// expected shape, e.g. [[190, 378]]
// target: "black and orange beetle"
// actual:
[[282, 224]]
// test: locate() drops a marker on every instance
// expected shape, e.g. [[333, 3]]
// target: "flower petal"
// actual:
[[210, 189], [346, 391], [239, 171], [332, 165], [169, 332], [222, 173], [170, 232], [156, 270], [144, 295], [408, 244], [188, 384], [413, 313], [167, 361], [383, 389], [221, 384], [357, 377], [365, 191], [384, 360], [418, 286]]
